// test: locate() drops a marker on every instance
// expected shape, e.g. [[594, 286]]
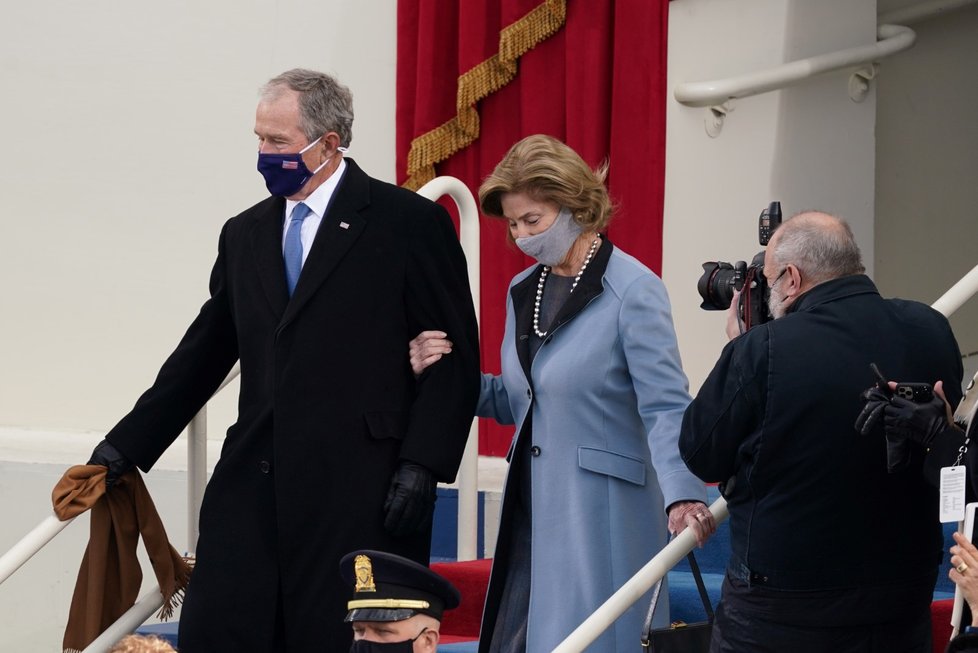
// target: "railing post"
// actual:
[[196, 474], [468, 473]]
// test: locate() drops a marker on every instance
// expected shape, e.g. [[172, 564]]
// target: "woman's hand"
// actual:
[[964, 572], [426, 349], [695, 515]]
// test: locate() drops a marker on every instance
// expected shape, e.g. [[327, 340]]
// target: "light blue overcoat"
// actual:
[[607, 395]]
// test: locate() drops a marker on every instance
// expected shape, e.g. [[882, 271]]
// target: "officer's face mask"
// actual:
[[363, 646], [286, 174]]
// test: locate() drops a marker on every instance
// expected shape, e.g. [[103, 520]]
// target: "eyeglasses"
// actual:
[[778, 278]]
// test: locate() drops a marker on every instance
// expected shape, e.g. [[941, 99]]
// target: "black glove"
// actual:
[[876, 400], [918, 422], [897, 454], [108, 456], [411, 500]]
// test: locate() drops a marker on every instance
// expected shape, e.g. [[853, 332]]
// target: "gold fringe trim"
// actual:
[[475, 84]]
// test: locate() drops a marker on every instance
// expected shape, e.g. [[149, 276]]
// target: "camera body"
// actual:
[[720, 279]]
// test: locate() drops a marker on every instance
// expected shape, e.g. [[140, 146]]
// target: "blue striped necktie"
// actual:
[[293, 246]]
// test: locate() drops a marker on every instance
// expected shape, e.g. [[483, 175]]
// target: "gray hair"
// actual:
[[325, 105], [820, 245]]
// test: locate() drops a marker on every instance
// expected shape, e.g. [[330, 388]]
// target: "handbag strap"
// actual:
[[701, 586], [647, 626], [704, 597]]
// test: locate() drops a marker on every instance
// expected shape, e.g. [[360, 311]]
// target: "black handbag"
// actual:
[[679, 637]]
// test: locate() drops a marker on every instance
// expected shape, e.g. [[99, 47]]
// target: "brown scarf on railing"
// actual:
[[109, 578]]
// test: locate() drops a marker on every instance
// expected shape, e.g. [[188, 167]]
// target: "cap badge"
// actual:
[[364, 572]]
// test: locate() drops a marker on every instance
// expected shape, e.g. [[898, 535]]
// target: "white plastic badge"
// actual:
[[952, 493]]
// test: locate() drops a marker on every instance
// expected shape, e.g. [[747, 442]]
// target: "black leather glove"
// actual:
[[108, 456], [918, 422], [872, 413], [410, 501], [897, 454]]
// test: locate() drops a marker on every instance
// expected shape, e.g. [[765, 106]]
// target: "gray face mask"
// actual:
[[550, 247]]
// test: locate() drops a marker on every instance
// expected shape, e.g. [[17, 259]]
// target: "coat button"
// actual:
[[534, 450], [264, 466], [529, 393]]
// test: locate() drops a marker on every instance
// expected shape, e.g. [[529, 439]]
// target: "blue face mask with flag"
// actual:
[[286, 174]]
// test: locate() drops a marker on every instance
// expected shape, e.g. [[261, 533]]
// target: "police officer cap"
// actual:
[[387, 587]]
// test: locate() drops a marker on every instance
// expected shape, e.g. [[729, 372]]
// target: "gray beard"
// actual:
[[776, 304]]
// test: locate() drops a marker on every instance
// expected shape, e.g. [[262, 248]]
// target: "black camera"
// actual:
[[720, 279]]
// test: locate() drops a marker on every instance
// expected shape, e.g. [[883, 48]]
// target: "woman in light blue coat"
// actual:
[[591, 376]]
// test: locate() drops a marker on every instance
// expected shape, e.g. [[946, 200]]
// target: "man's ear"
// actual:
[[431, 638], [794, 278], [331, 141]]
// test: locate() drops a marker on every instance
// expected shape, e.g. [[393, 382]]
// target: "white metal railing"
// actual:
[[958, 294], [892, 39], [197, 464], [656, 568], [30, 544]]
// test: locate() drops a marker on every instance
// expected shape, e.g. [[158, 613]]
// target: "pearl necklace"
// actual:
[[543, 280]]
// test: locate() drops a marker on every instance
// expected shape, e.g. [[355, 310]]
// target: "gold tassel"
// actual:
[[487, 77]]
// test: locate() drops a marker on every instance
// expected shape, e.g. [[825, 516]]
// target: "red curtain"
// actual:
[[598, 83]]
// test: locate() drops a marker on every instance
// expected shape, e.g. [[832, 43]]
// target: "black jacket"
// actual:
[[328, 406], [811, 504]]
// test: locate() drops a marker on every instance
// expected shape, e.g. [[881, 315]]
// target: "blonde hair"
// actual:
[[142, 644], [547, 170]]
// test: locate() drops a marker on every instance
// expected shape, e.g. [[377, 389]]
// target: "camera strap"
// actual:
[[964, 416]]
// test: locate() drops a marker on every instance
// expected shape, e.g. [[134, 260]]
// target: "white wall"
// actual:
[[809, 146], [127, 144], [926, 194]]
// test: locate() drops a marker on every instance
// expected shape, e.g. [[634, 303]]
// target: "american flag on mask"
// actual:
[[290, 165]]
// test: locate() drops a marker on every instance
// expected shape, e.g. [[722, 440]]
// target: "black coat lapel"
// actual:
[[524, 296], [524, 300], [340, 228], [588, 287], [266, 242]]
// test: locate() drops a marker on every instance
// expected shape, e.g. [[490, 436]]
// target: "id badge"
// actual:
[[952, 493]]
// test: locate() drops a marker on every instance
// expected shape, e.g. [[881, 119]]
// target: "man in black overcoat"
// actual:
[[832, 548], [317, 291]]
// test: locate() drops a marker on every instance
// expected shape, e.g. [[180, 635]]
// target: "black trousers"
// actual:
[[762, 622]]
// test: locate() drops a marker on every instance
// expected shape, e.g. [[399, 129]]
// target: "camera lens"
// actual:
[[718, 283]]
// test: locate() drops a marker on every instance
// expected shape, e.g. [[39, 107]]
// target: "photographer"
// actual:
[[809, 498]]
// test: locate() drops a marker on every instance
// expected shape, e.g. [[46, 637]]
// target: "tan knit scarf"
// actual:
[[110, 576]]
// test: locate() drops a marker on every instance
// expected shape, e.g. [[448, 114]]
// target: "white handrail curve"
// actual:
[[892, 39], [30, 544], [468, 474]]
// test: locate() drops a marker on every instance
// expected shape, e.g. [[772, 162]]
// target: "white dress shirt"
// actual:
[[317, 203]]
